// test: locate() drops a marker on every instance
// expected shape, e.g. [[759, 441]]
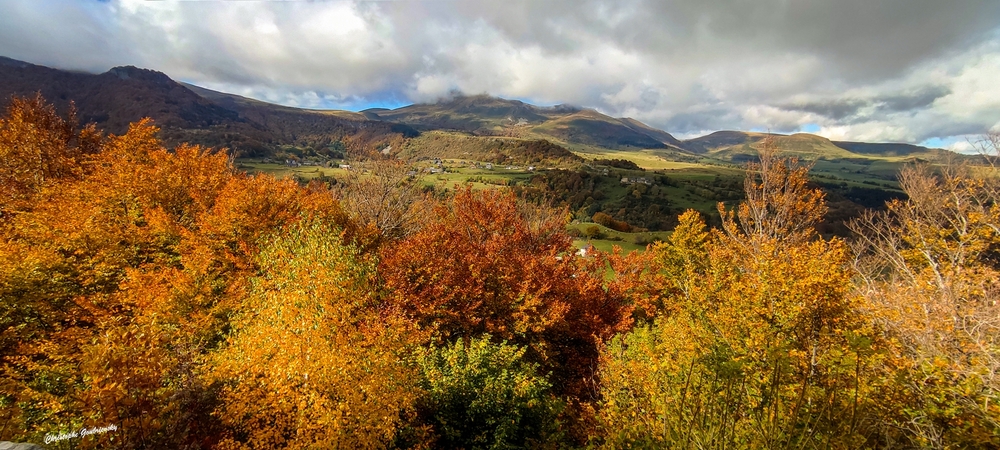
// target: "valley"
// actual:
[[562, 156]]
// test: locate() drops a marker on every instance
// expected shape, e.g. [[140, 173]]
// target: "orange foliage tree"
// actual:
[[312, 360], [480, 266], [121, 266], [38, 146]]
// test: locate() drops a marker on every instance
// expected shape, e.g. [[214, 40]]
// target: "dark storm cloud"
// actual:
[[852, 108], [835, 108], [918, 99]]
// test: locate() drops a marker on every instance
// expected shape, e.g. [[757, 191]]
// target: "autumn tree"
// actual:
[[119, 277], [312, 360], [381, 193], [928, 268], [754, 340], [38, 146], [85, 236], [482, 267], [779, 207], [672, 270]]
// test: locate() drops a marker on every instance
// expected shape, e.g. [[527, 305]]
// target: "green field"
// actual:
[[285, 171], [609, 239]]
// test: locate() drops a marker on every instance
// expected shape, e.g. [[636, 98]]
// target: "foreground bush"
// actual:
[[484, 395]]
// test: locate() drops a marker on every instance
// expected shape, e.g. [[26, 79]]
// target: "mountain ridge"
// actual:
[[124, 94]]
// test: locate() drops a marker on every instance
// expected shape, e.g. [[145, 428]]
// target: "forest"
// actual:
[[177, 302]]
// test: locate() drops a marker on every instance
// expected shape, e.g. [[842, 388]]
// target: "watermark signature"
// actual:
[[50, 438]]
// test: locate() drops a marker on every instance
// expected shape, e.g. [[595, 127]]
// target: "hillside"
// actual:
[[490, 116], [659, 135], [500, 150], [484, 127], [123, 95], [473, 113], [589, 127], [115, 98], [882, 149], [738, 146]]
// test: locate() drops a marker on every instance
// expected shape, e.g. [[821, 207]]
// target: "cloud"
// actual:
[[841, 108], [905, 70]]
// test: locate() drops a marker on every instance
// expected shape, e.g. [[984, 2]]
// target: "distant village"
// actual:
[[438, 166]]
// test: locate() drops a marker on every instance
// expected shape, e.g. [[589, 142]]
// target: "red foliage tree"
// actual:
[[481, 266]]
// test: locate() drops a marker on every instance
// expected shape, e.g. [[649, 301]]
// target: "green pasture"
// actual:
[[610, 238], [284, 171]]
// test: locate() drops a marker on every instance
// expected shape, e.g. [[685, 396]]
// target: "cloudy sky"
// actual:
[[918, 71]]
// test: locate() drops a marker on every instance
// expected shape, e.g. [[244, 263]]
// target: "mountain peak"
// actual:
[[132, 72]]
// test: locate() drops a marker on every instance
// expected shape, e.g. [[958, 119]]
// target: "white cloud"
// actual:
[[902, 70]]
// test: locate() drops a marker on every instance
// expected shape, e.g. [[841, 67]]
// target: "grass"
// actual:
[[688, 185], [607, 246], [458, 173], [611, 238], [647, 159], [284, 171]]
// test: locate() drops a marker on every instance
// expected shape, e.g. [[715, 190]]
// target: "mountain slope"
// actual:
[[462, 113], [660, 135], [190, 113], [739, 146], [881, 149], [589, 127], [490, 116], [123, 95], [115, 98]]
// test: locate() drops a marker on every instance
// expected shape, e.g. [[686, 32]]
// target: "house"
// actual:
[[640, 180]]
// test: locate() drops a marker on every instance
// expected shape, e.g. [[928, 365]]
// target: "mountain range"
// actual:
[[188, 113]]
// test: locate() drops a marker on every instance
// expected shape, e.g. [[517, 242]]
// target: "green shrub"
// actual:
[[483, 395], [593, 232]]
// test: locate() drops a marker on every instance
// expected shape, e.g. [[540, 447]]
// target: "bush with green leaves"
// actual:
[[480, 394]]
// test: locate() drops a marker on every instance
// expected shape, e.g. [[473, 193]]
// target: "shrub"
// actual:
[[483, 395], [610, 222]]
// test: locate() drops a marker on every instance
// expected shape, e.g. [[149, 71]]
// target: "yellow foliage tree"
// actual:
[[313, 361], [929, 270], [118, 278], [756, 343]]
